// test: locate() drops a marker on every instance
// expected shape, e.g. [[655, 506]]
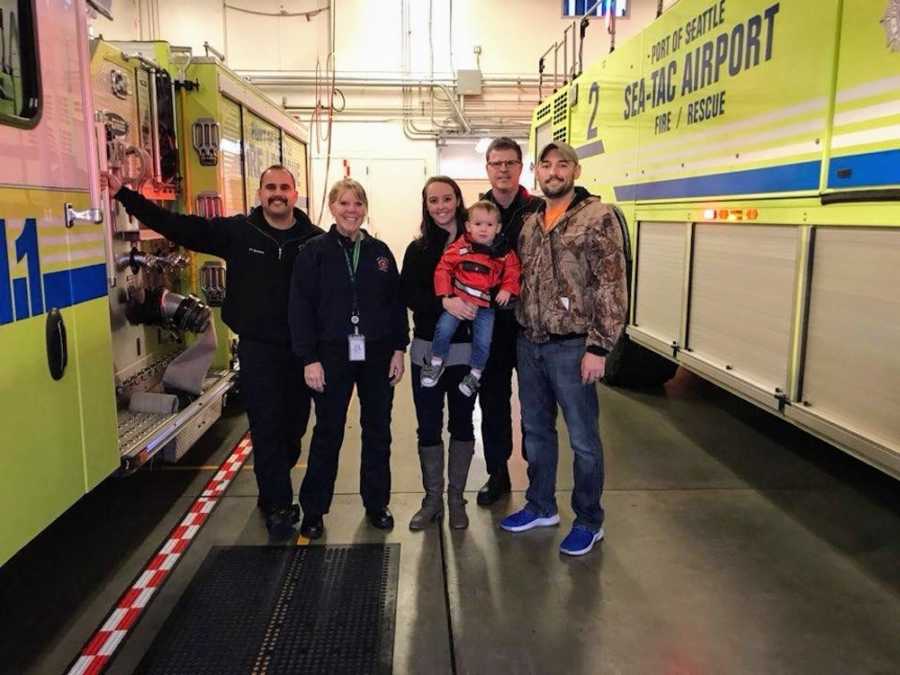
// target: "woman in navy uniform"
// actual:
[[349, 326]]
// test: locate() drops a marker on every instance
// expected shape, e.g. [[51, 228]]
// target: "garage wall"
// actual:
[[369, 32], [391, 168]]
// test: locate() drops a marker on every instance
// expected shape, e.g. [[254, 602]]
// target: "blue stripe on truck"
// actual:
[[69, 287], [866, 169], [785, 178]]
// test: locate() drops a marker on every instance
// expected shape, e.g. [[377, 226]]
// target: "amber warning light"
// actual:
[[730, 214]]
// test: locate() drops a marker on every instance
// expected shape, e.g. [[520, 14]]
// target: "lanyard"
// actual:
[[351, 270]]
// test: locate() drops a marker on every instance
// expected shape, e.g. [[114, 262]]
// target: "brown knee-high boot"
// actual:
[[431, 459], [460, 457]]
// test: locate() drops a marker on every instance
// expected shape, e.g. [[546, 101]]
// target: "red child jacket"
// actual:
[[470, 270]]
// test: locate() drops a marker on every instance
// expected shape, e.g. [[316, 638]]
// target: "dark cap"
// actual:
[[564, 149]]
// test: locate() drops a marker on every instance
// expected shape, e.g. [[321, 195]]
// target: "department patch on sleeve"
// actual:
[[384, 264]]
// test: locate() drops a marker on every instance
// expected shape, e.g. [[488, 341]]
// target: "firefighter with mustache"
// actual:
[[259, 249]]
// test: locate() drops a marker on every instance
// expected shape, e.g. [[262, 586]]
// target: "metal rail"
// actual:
[[142, 449]]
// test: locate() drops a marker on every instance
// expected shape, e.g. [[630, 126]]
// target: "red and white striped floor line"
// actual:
[[98, 651]]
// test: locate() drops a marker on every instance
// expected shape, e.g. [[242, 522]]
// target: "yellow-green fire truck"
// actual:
[[754, 147], [89, 299]]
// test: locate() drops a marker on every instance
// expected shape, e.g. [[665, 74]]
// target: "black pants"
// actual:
[[277, 401], [376, 398], [430, 407], [495, 394]]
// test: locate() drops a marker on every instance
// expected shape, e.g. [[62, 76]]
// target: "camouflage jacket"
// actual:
[[573, 278]]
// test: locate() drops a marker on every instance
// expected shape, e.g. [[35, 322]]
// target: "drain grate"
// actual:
[[272, 610]]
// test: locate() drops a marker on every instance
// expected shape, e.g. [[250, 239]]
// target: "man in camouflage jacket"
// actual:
[[572, 309]]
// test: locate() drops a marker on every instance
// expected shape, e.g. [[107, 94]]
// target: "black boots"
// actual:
[[312, 526], [280, 522], [381, 519], [496, 487]]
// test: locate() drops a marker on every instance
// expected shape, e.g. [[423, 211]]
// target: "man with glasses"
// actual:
[[504, 167]]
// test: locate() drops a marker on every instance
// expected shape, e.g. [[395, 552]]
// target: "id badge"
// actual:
[[357, 347], [564, 301]]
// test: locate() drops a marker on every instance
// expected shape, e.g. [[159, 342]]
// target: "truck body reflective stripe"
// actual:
[[69, 287], [867, 169], [787, 178]]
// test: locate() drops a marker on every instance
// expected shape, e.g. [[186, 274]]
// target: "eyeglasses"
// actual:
[[507, 164]]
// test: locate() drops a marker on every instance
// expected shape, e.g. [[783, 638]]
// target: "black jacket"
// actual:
[[259, 269], [321, 301], [512, 217], [417, 286], [503, 344]]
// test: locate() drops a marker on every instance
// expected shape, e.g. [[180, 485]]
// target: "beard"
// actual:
[[562, 188]]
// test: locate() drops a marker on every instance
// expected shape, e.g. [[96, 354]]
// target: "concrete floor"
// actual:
[[735, 544]]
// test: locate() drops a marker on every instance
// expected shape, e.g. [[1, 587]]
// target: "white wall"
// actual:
[[390, 166], [125, 26], [464, 159], [512, 33]]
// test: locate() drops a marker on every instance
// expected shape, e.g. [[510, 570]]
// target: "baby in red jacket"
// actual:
[[470, 269]]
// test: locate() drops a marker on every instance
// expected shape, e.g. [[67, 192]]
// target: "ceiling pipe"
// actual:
[[389, 110], [450, 100], [284, 79]]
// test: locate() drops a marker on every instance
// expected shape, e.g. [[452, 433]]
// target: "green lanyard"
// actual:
[[351, 269]]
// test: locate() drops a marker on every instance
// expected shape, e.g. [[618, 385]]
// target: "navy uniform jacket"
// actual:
[[321, 301]]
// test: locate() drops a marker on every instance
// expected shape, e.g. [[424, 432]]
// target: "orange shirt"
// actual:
[[553, 214]]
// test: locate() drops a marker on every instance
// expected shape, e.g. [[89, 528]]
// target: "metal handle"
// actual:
[[103, 195], [91, 215], [57, 347]]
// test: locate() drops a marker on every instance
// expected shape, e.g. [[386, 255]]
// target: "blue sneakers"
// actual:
[[580, 540], [526, 520]]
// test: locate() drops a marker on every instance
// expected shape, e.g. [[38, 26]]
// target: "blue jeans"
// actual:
[[550, 374], [482, 331]]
